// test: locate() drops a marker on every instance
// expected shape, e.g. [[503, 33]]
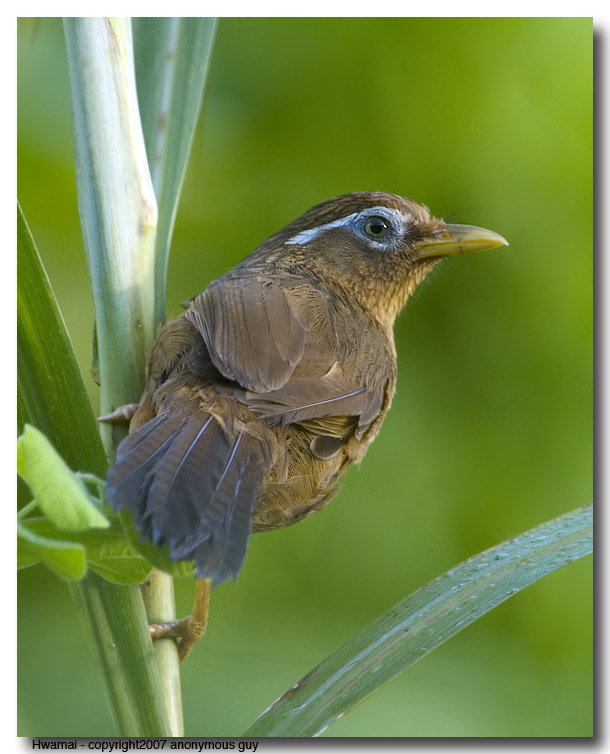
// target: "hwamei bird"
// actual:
[[276, 378]]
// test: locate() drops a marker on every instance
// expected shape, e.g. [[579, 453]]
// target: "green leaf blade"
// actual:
[[421, 622], [172, 58], [108, 552], [47, 369], [121, 569]]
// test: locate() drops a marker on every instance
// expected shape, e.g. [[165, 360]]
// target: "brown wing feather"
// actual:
[[250, 331], [281, 347]]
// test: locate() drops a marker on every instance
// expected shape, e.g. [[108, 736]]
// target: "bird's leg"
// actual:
[[191, 628], [121, 415]]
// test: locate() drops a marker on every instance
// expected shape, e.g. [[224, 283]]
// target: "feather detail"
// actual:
[[190, 485], [295, 404], [326, 447], [261, 343]]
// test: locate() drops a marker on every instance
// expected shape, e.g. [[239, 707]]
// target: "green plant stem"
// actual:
[[118, 213], [117, 637], [116, 203], [158, 595]]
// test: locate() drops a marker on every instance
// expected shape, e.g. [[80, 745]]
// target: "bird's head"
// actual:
[[375, 245]]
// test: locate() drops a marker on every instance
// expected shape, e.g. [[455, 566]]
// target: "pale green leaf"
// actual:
[[66, 559], [121, 568], [25, 556], [59, 492], [109, 552]]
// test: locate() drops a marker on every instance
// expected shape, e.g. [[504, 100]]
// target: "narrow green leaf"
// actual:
[[171, 59], [50, 382], [109, 553], [66, 559], [59, 492], [57, 403], [23, 415], [416, 626]]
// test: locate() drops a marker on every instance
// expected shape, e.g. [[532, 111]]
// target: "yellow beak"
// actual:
[[459, 239]]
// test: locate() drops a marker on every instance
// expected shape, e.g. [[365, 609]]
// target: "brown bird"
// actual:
[[277, 377]]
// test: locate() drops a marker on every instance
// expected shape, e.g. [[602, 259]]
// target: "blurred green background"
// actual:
[[487, 121]]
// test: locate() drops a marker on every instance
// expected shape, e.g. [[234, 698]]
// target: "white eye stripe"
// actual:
[[305, 236]]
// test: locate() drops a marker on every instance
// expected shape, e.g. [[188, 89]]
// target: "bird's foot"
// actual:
[[121, 415], [188, 630]]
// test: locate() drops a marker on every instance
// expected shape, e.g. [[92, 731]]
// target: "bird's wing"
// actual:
[[190, 480], [250, 331], [280, 345]]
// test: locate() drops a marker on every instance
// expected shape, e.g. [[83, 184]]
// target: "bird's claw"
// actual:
[[121, 415], [186, 630]]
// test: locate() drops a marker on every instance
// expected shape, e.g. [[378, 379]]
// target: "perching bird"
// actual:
[[276, 378]]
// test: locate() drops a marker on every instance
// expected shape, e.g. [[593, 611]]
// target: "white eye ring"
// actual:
[[380, 227]]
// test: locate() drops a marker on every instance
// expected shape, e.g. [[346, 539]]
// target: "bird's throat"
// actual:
[[387, 301]]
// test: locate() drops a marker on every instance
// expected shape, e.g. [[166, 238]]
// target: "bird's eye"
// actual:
[[377, 228]]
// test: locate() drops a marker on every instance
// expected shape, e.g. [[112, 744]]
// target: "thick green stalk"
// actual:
[[158, 594], [116, 202], [118, 214], [116, 634]]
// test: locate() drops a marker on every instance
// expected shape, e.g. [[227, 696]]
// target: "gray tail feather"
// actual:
[[190, 485]]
